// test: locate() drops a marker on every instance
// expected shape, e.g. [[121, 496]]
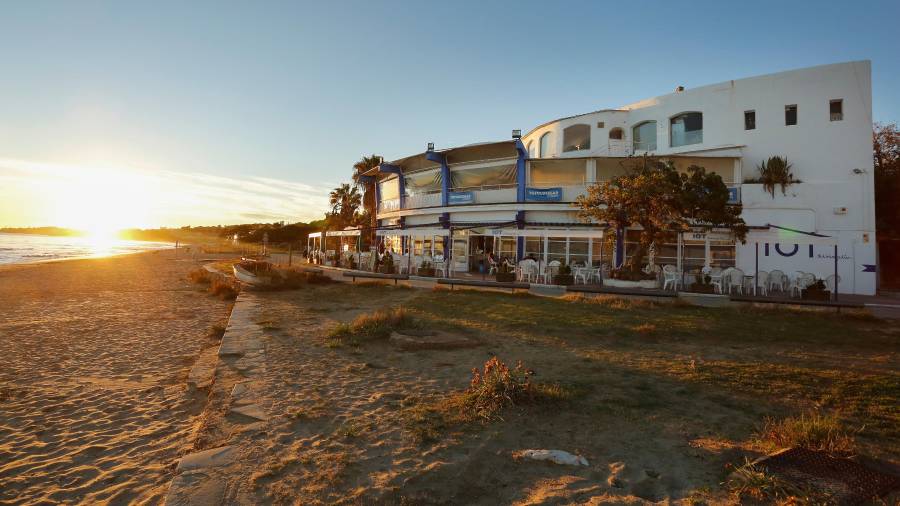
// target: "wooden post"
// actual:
[[836, 273], [290, 253], [756, 276]]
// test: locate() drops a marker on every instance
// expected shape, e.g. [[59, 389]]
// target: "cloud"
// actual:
[[30, 193]]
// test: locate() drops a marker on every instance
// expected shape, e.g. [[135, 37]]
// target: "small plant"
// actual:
[[426, 269], [223, 289], [814, 432], [496, 387], [563, 276], [748, 482], [776, 171], [200, 277], [628, 274], [505, 273], [387, 264]]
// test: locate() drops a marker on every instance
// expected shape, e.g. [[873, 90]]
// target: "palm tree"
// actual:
[[345, 201], [365, 164]]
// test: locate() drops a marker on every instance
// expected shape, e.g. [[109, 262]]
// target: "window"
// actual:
[[578, 251], [439, 246], [602, 250], [616, 134], [556, 249], [483, 178], [558, 172], [693, 253], [721, 253], [686, 128], [790, 115], [576, 138], [600, 124], [644, 135], [836, 110], [749, 120], [545, 146], [531, 149], [422, 182], [505, 247], [534, 248]]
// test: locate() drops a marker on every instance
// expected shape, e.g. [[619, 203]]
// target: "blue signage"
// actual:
[[543, 194], [460, 198], [734, 195]]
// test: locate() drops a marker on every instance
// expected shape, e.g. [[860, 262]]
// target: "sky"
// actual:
[[165, 113]]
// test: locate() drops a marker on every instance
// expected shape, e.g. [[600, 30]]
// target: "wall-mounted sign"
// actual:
[[460, 198], [734, 195], [543, 194]]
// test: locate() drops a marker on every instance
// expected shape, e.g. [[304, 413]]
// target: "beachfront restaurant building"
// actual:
[[516, 198]]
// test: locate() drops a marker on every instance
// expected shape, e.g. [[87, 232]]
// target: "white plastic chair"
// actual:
[[671, 277], [718, 278], [551, 270], [736, 280], [761, 283], [777, 280]]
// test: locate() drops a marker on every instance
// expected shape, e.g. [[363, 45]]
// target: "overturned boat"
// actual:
[[254, 272]]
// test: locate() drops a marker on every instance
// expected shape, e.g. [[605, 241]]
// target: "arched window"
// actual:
[[644, 136], [616, 134], [545, 145], [686, 128], [530, 148], [576, 138]]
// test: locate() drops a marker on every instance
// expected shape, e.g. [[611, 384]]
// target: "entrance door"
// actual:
[[459, 254], [479, 246]]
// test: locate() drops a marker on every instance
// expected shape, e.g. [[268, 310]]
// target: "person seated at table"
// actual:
[[492, 262]]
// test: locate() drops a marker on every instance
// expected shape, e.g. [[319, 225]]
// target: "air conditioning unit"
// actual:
[[840, 210]]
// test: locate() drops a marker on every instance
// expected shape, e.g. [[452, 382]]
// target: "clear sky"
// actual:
[[173, 113]]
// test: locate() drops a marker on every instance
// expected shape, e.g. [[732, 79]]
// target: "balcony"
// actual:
[[492, 194], [422, 200], [386, 206]]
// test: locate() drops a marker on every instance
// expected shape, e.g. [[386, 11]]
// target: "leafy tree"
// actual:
[[886, 147], [655, 196], [345, 201]]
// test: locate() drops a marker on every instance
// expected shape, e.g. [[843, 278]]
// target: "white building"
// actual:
[[515, 197]]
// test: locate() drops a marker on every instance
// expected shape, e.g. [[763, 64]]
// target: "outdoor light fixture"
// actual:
[[517, 134], [430, 146]]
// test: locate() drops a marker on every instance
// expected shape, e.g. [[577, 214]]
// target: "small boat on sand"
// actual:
[[253, 272]]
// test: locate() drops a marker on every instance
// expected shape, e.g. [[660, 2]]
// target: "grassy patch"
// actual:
[[200, 277], [216, 332], [369, 326], [754, 484], [814, 431], [223, 289]]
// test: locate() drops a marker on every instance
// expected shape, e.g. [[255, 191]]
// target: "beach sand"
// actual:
[[94, 356]]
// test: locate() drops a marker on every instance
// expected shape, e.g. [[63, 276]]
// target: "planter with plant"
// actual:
[[426, 269], [816, 291], [505, 274], [776, 171], [626, 277], [564, 276], [387, 264], [702, 285]]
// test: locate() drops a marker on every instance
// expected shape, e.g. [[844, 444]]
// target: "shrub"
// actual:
[[814, 432], [223, 289], [776, 171], [496, 387], [200, 276]]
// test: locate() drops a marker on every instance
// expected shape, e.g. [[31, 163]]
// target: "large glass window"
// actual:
[[576, 138], [558, 172], [545, 145], [644, 136], [578, 251], [531, 149], [694, 254], [602, 250], [389, 189], [686, 129], [721, 253], [556, 249], [481, 178], [426, 181], [506, 247], [667, 251], [438, 246], [534, 248]]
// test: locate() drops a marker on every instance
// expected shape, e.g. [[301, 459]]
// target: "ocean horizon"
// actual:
[[30, 248]]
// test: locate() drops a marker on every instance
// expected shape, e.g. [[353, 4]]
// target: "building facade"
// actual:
[[516, 197]]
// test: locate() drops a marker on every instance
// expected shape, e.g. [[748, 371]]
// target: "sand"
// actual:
[[331, 425], [94, 357]]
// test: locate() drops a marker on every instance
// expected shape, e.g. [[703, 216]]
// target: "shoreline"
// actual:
[[85, 257]]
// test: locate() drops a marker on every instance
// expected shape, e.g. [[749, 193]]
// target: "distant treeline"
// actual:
[[279, 232]]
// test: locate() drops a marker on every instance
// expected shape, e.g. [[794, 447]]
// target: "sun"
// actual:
[[100, 204]]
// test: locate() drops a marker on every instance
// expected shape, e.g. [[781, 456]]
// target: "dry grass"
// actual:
[[814, 431], [645, 328], [223, 289], [370, 326], [216, 332], [754, 484], [200, 277]]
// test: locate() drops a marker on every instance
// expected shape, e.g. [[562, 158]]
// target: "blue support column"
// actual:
[[520, 170], [445, 174], [520, 241], [620, 247]]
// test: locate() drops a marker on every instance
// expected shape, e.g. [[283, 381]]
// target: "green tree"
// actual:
[[659, 199], [345, 201], [886, 147]]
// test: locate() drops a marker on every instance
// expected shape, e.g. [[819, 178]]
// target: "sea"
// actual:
[[27, 248]]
